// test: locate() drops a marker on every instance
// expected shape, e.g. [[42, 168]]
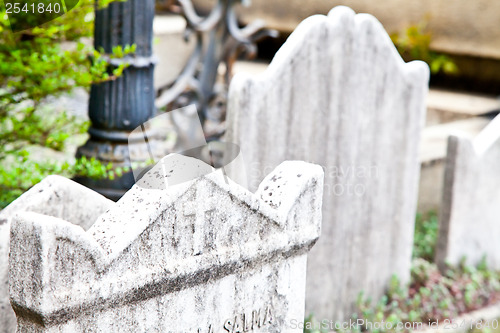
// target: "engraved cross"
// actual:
[[199, 209]]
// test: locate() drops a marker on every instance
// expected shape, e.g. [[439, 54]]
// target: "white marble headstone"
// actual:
[[469, 224], [201, 256], [338, 94], [54, 196]]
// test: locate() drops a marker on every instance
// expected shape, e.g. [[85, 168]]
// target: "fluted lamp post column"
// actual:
[[119, 106]]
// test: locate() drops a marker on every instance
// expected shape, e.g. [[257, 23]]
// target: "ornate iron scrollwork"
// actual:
[[219, 40]]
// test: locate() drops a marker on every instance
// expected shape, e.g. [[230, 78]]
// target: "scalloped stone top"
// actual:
[[206, 249]]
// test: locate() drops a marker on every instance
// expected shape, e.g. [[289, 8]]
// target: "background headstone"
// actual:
[[54, 196], [338, 94], [469, 224], [201, 256]]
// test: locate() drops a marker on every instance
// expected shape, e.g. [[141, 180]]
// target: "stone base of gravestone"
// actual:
[[338, 94], [54, 196], [469, 225], [205, 255]]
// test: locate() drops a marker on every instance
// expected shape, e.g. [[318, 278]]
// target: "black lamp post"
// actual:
[[119, 106]]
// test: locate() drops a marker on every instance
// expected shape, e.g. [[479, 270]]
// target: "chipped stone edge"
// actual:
[[194, 270], [135, 210]]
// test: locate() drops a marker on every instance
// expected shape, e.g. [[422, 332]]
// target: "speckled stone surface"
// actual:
[[201, 256], [54, 196], [338, 94], [469, 224]]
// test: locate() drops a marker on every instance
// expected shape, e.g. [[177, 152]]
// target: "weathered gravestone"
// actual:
[[54, 196], [202, 256], [469, 224], [338, 94]]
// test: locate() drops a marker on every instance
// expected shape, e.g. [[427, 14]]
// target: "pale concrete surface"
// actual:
[[445, 106], [434, 138], [250, 67], [170, 48]]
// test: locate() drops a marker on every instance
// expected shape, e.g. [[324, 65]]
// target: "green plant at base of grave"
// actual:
[[46, 61], [425, 238], [430, 297], [414, 43]]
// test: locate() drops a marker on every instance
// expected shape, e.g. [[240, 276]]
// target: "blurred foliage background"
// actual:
[[413, 43], [35, 64]]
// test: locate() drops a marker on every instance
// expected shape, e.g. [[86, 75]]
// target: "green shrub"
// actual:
[[44, 61], [430, 297], [425, 238], [414, 44]]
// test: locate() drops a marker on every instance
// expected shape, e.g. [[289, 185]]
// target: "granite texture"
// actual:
[[338, 94], [202, 256], [54, 196], [469, 223]]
